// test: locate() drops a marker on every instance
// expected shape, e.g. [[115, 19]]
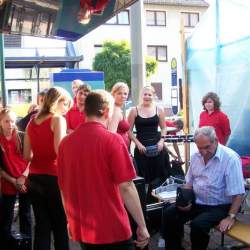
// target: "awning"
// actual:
[[42, 62]]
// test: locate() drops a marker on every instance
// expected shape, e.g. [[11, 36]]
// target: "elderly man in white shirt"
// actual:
[[215, 175]]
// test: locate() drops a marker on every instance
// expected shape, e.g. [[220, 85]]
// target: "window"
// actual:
[[158, 89], [155, 18], [18, 96], [158, 52], [190, 19], [121, 18], [97, 48], [13, 41]]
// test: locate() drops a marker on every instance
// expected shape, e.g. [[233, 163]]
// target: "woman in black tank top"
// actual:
[[146, 118]]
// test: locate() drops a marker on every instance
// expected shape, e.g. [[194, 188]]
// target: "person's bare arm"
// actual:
[[163, 128], [133, 205], [177, 151], [27, 152], [115, 119], [131, 121], [228, 222], [59, 128]]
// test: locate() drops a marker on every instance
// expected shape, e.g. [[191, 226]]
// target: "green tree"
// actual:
[[115, 61]]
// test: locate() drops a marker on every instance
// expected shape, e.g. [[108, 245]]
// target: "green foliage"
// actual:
[[115, 61], [180, 113], [151, 66]]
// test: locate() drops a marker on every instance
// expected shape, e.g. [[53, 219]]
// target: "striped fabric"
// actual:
[[216, 182]]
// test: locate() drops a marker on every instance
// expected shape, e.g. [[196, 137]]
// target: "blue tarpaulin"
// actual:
[[218, 55]]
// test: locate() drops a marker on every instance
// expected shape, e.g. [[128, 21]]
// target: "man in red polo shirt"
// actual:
[[95, 176]]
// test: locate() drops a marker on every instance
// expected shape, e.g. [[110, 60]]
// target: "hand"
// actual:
[[21, 180], [20, 184], [142, 237], [141, 148], [22, 188], [185, 209], [226, 224]]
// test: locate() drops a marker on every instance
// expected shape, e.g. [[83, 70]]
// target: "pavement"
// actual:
[[214, 242]]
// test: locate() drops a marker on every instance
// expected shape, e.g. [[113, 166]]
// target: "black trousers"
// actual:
[[8, 204], [202, 217], [49, 213], [123, 245]]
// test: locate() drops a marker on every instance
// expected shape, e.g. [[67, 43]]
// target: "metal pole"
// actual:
[[218, 49], [2, 69], [138, 71]]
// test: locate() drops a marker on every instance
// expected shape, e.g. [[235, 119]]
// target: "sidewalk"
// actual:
[[214, 242], [215, 238]]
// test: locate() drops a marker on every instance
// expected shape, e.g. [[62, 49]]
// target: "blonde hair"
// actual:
[[52, 98], [150, 88], [3, 113], [117, 86], [77, 82]]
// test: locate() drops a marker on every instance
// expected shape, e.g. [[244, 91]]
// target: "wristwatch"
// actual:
[[232, 216]]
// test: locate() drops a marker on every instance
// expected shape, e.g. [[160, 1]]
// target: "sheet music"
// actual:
[[167, 195]]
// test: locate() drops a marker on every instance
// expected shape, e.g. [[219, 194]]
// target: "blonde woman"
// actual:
[[43, 136], [13, 169], [146, 118], [118, 122]]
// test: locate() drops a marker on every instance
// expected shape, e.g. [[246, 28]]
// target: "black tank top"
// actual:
[[147, 129]]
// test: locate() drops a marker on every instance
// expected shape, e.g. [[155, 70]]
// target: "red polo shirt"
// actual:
[[14, 164], [74, 118], [92, 162], [219, 121]]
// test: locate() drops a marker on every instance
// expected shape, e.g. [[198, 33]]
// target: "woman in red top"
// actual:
[[213, 116], [75, 116], [118, 122], [13, 169], [43, 136]]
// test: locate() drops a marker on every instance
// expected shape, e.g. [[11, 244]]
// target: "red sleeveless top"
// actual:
[[42, 145], [14, 164], [122, 129]]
